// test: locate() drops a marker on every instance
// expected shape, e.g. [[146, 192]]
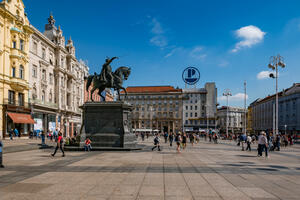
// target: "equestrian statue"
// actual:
[[108, 79]]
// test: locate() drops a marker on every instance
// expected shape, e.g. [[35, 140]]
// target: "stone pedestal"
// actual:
[[108, 125]]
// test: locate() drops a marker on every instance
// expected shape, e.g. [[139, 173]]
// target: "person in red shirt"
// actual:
[[87, 146], [59, 145]]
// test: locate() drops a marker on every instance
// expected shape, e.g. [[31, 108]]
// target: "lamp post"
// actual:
[[227, 93], [276, 61], [206, 106], [285, 128]]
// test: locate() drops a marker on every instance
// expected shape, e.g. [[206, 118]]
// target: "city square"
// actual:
[[202, 171], [149, 99]]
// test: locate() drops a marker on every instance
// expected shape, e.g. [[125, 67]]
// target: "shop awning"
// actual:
[[20, 118]]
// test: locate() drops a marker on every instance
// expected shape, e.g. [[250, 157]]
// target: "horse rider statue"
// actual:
[[106, 74]]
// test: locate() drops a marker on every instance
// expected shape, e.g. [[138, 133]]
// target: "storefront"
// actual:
[[20, 121]]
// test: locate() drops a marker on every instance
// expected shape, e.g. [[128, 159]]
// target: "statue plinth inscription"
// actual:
[[108, 124]]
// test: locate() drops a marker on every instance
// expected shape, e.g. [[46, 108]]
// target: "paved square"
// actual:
[[202, 171]]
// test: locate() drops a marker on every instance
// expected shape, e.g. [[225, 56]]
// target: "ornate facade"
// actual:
[[14, 69], [56, 81]]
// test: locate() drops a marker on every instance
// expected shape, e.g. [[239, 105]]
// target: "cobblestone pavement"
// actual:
[[202, 171]]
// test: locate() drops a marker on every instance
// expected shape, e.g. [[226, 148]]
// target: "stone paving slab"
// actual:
[[204, 171]]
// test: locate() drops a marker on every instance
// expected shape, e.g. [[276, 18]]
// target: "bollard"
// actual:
[[1, 149]]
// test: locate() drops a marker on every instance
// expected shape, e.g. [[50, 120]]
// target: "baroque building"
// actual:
[[156, 107], [14, 69], [56, 81]]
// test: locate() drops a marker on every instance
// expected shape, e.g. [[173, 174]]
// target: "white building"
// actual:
[[236, 119], [56, 81], [199, 108]]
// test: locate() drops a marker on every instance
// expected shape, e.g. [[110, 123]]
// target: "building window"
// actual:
[[196, 107], [35, 47], [34, 93], [14, 44], [186, 121], [43, 96], [186, 107], [186, 115], [34, 71], [50, 97], [191, 114], [21, 99], [44, 75], [22, 45], [21, 72], [43, 53], [51, 59], [191, 107], [13, 72], [196, 114], [11, 97], [51, 78]]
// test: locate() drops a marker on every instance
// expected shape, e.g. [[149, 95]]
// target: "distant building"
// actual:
[[235, 118], [156, 107], [263, 117], [96, 97], [199, 108]]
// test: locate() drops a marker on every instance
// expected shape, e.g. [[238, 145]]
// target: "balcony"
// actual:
[[15, 103], [39, 102]]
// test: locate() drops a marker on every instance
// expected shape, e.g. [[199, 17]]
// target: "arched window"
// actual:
[[21, 72]]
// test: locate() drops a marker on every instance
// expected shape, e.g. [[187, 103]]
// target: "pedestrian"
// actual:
[[249, 140], [147, 135], [184, 137], [166, 137], [277, 142], [143, 136], [192, 138], [43, 137], [16, 132], [178, 140], [156, 142], [171, 138], [1, 152], [87, 145], [262, 144], [216, 138], [59, 144], [11, 134]]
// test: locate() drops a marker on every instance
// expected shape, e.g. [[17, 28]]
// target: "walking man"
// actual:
[[171, 138], [59, 145], [262, 144], [156, 142], [249, 140]]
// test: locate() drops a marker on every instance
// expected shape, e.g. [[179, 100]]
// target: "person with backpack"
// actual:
[[156, 142], [1, 149], [59, 144]]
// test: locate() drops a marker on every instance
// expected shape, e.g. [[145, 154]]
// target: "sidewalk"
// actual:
[[23, 144]]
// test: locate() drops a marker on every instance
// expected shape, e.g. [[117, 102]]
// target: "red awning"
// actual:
[[19, 118]]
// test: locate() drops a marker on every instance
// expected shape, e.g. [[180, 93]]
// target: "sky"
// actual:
[[228, 41]]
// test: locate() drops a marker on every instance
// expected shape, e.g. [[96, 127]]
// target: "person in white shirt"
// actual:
[[249, 140], [262, 144]]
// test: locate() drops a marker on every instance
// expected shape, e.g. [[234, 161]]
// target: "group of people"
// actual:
[[14, 132]]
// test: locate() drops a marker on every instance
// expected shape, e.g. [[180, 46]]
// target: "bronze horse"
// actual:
[[119, 75]]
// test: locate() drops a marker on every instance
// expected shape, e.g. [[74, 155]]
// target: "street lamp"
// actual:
[[227, 93], [276, 61], [285, 128]]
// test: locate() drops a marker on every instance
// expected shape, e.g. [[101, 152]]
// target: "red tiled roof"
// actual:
[[151, 89]]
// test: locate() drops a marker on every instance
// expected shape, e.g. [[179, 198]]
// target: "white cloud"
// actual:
[[171, 53], [159, 41], [236, 97], [250, 35], [156, 27], [223, 63], [197, 53], [263, 75]]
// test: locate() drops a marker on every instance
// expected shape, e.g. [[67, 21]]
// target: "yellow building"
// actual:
[[14, 69]]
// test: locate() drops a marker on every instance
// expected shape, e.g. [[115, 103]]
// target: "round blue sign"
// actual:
[[191, 75]]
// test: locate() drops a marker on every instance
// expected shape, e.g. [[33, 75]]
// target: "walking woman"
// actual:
[[184, 137], [59, 145]]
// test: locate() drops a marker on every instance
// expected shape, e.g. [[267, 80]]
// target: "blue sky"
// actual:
[[228, 41]]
